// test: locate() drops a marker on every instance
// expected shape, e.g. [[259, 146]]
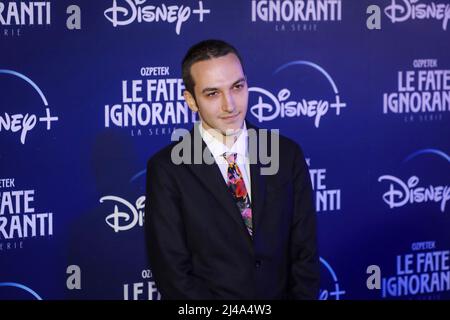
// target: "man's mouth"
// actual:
[[230, 117]]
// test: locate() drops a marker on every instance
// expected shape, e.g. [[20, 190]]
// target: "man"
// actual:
[[223, 229]]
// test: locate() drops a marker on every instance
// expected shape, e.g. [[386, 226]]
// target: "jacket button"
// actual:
[[258, 263]]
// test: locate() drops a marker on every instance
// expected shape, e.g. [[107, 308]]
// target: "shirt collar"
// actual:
[[217, 148]]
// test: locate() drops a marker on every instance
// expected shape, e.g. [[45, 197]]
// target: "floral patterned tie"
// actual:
[[236, 185]]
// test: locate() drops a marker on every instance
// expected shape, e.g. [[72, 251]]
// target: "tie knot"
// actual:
[[230, 157]]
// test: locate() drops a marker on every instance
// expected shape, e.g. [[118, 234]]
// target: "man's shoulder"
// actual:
[[286, 144], [289, 144], [163, 156]]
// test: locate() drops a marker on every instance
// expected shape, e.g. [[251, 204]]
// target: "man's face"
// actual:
[[221, 93]]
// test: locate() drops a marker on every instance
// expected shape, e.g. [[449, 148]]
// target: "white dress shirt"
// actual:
[[240, 147]]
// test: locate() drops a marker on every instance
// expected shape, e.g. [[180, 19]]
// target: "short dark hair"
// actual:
[[204, 50]]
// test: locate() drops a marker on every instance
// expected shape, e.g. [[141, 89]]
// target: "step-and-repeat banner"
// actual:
[[89, 90]]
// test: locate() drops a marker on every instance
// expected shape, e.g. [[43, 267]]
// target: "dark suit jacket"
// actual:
[[197, 242]]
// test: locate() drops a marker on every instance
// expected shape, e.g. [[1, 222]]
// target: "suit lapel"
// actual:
[[212, 179], [258, 181]]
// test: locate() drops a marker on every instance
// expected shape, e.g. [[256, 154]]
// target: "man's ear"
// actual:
[[190, 101]]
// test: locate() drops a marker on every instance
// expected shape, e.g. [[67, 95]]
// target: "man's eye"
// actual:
[[211, 94], [239, 86]]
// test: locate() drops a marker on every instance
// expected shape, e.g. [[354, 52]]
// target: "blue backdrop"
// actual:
[[89, 90]]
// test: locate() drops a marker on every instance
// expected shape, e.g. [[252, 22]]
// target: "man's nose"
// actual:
[[228, 103]]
